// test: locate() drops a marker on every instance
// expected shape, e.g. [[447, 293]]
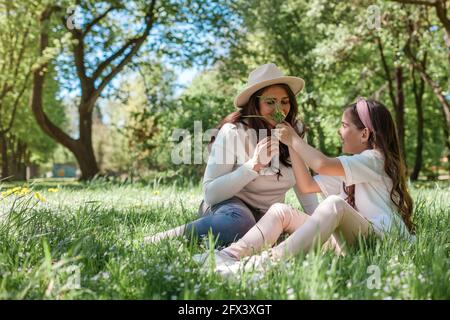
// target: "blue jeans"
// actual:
[[228, 221]]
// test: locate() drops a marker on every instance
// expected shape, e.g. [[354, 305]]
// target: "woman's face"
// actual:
[[354, 140], [267, 105]]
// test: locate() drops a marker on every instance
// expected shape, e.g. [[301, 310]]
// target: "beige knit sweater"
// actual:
[[229, 173]]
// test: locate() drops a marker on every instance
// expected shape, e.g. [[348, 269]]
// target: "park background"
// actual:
[[94, 90]]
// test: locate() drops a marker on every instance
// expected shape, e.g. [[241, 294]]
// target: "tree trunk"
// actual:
[[400, 110], [84, 151], [14, 157], [418, 96], [396, 96], [320, 134], [4, 152], [438, 92], [419, 147], [446, 134], [86, 161], [320, 137], [21, 166], [441, 12], [82, 148]]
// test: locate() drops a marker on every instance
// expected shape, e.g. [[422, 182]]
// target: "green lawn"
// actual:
[[83, 242]]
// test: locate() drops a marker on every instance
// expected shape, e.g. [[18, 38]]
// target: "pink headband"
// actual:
[[363, 112]]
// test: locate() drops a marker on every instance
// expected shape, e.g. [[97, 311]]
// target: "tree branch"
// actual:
[[441, 12], [103, 65], [78, 54], [97, 20], [433, 85], [6, 88], [38, 81], [135, 44], [430, 3], [387, 72], [16, 103], [21, 53]]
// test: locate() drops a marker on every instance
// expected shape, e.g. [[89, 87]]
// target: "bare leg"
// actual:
[[172, 233]]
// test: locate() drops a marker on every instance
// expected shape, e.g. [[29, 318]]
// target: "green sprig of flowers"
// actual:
[[278, 116]]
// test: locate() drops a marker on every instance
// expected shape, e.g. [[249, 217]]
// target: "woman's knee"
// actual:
[[226, 225], [230, 230], [233, 223], [240, 220]]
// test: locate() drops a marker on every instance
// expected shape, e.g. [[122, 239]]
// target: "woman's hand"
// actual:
[[285, 133], [265, 150]]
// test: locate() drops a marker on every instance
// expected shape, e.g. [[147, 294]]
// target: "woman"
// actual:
[[248, 170], [365, 193]]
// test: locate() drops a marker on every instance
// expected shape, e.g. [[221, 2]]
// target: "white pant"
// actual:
[[332, 223]]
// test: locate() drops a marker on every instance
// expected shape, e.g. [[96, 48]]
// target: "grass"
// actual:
[[83, 241]]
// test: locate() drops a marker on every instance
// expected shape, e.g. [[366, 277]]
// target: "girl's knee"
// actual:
[[335, 200], [334, 205], [280, 211]]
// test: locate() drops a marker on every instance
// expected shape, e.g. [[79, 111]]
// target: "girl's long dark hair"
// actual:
[[385, 138], [252, 109]]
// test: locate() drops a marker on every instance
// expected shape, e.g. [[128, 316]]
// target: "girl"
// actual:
[[365, 193], [242, 177]]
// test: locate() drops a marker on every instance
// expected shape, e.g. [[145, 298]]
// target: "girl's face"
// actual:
[[354, 140], [273, 95]]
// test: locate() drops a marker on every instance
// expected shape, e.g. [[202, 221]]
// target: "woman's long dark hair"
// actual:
[[385, 138], [251, 108]]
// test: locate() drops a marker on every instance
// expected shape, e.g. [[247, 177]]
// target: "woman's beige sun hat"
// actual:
[[263, 76]]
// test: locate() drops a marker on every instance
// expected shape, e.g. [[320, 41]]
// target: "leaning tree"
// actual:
[[110, 35]]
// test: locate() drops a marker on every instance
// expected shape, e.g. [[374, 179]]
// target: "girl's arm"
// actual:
[[308, 201], [316, 160], [305, 183], [313, 158]]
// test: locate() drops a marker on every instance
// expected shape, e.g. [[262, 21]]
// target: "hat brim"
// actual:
[[296, 84]]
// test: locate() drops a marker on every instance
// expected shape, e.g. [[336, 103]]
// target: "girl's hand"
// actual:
[[285, 133], [265, 150]]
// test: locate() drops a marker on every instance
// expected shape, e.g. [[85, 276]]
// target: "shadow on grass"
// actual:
[[180, 183], [66, 184]]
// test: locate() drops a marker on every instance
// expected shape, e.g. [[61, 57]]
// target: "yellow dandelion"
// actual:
[[15, 190], [54, 190], [38, 196], [23, 191], [7, 193], [156, 192]]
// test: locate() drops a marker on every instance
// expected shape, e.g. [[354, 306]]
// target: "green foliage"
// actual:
[[207, 101], [137, 138], [18, 33], [333, 46]]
